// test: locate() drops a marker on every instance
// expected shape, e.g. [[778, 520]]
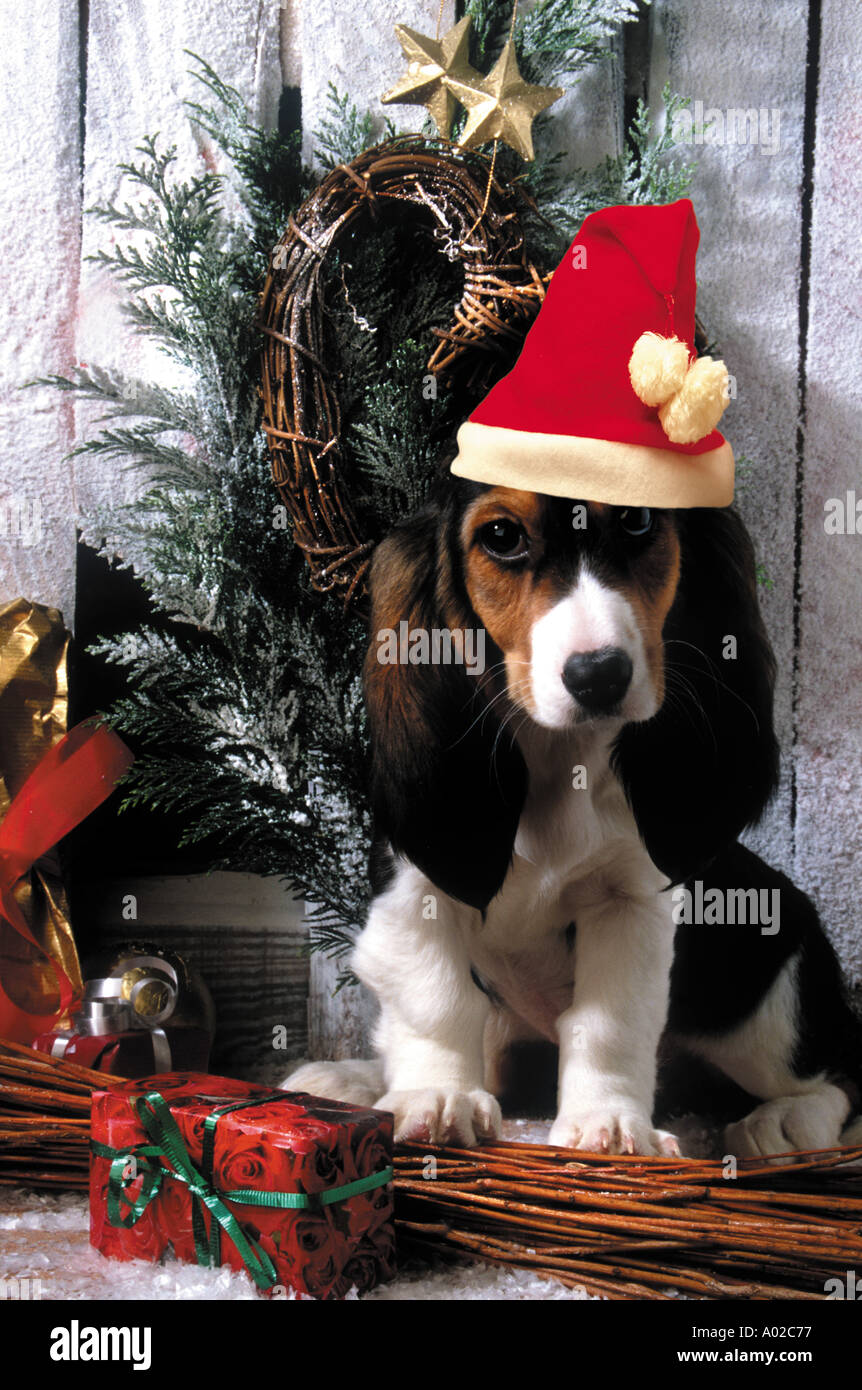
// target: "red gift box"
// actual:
[[294, 1189]]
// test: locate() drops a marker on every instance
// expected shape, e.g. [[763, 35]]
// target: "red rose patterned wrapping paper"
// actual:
[[297, 1143]]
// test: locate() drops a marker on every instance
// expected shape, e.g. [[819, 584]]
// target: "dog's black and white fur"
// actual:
[[517, 898]]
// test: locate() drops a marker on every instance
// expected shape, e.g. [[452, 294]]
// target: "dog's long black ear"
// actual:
[[448, 784], [706, 765]]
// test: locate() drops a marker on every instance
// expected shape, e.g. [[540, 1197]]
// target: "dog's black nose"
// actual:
[[598, 680]]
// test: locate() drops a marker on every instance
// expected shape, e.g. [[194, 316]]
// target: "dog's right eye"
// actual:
[[504, 539]]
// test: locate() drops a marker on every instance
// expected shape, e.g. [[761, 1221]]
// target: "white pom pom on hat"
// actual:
[[657, 367], [691, 396]]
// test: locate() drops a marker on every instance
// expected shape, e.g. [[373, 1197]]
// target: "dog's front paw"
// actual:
[[611, 1130], [443, 1115], [812, 1120]]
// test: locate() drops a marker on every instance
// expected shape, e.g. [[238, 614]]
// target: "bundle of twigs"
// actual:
[[44, 1118], [472, 220], [618, 1227], [628, 1228]]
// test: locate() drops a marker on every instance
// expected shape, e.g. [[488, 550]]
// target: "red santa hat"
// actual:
[[608, 401]]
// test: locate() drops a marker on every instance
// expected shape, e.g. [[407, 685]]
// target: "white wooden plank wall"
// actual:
[[748, 276], [779, 290], [40, 248], [138, 77], [828, 845]]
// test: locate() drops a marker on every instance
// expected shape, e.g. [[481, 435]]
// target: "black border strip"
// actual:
[[809, 139], [83, 40]]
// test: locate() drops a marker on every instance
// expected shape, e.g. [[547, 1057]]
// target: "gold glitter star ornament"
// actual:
[[432, 65], [502, 106]]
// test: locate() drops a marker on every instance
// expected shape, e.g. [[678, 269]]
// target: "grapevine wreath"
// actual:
[[474, 220]]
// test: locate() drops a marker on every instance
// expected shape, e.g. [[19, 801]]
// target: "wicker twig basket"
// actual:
[[502, 294], [638, 1228], [621, 1227]]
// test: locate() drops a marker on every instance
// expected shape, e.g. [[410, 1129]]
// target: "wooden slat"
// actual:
[[138, 77], [748, 205], [40, 213], [339, 1020], [829, 764], [586, 124], [355, 47]]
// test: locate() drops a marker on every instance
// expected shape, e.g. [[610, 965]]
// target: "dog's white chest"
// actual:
[[576, 842]]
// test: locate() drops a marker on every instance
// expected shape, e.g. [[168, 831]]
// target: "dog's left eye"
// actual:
[[635, 521], [504, 539]]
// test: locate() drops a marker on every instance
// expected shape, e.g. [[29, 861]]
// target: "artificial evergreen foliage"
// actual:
[[245, 698], [554, 39]]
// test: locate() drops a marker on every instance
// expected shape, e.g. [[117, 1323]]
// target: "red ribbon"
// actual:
[[69, 782]]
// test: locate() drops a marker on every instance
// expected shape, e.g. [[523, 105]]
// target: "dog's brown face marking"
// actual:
[[509, 595], [522, 555]]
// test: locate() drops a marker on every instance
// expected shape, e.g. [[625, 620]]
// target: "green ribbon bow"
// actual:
[[127, 1165]]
